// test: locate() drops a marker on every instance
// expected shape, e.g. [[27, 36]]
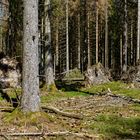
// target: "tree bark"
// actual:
[[88, 40], [97, 12], [67, 37], [121, 53], [79, 43], [131, 44], [57, 42], [30, 101], [138, 33], [106, 34], [125, 39], [49, 74]]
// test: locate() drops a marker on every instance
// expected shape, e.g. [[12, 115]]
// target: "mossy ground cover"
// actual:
[[116, 88], [104, 116], [117, 127]]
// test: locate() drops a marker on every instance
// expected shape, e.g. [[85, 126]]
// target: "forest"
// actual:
[[69, 69]]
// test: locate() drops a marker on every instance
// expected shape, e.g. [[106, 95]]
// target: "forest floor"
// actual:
[[104, 112]]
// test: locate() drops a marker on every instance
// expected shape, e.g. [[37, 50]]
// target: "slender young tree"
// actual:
[[125, 38], [106, 34], [138, 33], [88, 39], [97, 20], [79, 42], [30, 101], [67, 36], [57, 42]]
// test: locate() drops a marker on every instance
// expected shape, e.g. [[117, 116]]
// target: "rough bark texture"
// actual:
[[49, 75], [96, 74], [30, 99]]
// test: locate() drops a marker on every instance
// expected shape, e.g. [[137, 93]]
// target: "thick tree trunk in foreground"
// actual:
[[49, 74], [30, 101]]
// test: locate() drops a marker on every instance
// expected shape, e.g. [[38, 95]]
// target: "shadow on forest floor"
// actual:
[[12, 100], [69, 85]]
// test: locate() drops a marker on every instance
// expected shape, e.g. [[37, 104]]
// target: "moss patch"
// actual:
[[117, 126], [116, 88], [19, 118], [74, 74], [59, 95], [49, 89]]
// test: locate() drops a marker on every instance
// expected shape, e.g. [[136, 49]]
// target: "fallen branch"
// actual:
[[41, 134], [129, 99], [52, 109], [57, 111]]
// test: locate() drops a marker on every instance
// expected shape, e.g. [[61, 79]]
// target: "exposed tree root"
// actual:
[[42, 134]]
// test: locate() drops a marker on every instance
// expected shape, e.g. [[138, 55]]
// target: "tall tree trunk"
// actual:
[[88, 40], [138, 33], [106, 34], [67, 37], [30, 101], [97, 34], [79, 43], [125, 39], [49, 75], [131, 44], [57, 42], [121, 53]]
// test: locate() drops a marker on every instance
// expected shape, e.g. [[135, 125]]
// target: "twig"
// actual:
[[57, 111]]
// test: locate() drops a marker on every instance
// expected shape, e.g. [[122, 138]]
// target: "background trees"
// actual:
[[83, 33]]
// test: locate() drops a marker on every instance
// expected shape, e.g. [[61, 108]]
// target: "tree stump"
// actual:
[[96, 74]]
